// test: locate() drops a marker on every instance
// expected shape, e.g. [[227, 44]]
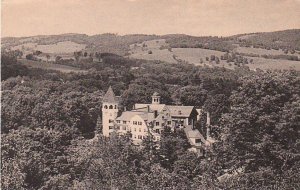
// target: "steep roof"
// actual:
[[194, 134], [127, 115], [153, 107], [181, 111], [190, 133], [110, 97]]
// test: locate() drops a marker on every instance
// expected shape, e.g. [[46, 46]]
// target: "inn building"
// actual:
[[148, 120]]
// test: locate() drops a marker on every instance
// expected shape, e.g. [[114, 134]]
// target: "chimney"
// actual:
[[155, 113], [207, 125], [207, 119]]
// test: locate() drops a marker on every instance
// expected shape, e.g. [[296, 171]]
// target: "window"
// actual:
[[135, 136], [140, 137], [140, 130], [157, 138], [110, 121], [105, 107], [134, 129], [197, 140], [118, 121], [111, 127], [135, 123], [115, 106], [157, 123], [145, 129], [179, 112], [124, 127], [140, 123], [157, 131], [111, 107], [169, 122], [124, 122]]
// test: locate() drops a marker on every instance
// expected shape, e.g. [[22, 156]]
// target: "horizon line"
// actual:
[[117, 34]]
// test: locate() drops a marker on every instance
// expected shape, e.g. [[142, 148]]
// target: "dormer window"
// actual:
[[179, 112]]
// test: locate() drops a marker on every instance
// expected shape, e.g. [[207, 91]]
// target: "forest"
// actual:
[[51, 123]]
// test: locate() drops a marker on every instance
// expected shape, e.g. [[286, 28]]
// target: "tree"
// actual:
[[48, 57], [192, 95], [216, 105], [217, 60], [29, 56], [201, 60], [141, 90], [11, 68], [58, 58], [256, 133], [30, 157]]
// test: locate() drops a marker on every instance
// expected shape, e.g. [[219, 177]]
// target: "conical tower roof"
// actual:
[[110, 97]]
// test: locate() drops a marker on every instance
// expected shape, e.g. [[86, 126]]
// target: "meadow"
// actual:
[[51, 66], [197, 56]]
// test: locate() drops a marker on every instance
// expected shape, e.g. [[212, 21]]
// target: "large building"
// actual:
[[147, 120]]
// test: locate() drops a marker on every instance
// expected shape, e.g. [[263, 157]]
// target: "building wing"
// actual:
[[180, 111]]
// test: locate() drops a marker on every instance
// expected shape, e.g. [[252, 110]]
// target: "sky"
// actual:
[[194, 17]]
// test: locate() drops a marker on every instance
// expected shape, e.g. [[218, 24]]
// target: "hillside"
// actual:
[[270, 48], [287, 39]]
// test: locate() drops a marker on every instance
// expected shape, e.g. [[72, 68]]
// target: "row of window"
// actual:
[[110, 107], [144, 137], [140, 129], [157, 123], [137, 123], [124, 122], [139, 137]]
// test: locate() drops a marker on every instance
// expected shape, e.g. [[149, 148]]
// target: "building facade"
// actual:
[[145, 120]]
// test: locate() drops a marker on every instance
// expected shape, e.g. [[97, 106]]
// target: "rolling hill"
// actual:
[[270, 50]]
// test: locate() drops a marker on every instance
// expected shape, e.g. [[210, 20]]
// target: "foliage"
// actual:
[[261, 132], [10, 67]]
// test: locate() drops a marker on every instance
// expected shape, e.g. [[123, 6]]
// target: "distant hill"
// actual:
[[112, 43], [286, 39], [280, 49]]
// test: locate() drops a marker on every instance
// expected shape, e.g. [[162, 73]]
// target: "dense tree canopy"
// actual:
[[49, 121]]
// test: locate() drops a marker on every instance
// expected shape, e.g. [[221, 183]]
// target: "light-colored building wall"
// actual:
[[139, 128], [109, 114]]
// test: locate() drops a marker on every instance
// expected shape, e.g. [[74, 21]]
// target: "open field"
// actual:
[[58, 48], [194, 55], [260, 51], [51, 66], [273, 64]]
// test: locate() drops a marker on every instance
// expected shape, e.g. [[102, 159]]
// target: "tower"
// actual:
[[110, 108], [155, 98]]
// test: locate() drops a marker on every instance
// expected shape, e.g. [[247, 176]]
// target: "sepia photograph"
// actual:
[[150, 95]]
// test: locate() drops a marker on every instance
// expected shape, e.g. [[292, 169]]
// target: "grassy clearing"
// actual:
[[194, 55], [51, 66], [58, 48], [260, 51], [273, 64]]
